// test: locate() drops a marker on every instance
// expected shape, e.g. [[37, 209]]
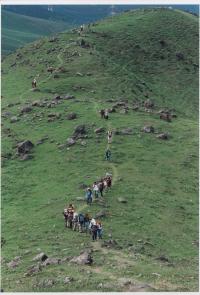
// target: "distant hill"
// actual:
[[21, 23], [18, 30]]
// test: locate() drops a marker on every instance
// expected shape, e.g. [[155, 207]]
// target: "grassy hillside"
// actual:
[[18, 30], [130, 57]]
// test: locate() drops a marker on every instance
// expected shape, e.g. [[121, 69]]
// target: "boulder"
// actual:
[[50, 261], [163, 136], [68, 96], [84, 259], [40, 257], [33, 270], [71, 116], [70, 141], [14, 119], [25, 147], [122, 200], [79, 132], [67, 280], [99, 130], [148, 103], [101, 214], [26, 109], [36, 103], [148, 129]]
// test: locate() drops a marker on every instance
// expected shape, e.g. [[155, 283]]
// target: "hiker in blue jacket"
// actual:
[[89, 196]]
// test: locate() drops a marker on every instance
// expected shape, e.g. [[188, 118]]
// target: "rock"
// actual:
[[68, 96], [46, 283], [79, 74], [71, 116], [67, 280], [50, 261], [84, 259], [35, 103], [179, 56], [124, 111], [148, 103], [14, 263], [163, 136], [140, 287], [6, 115], [148, 129], [54, 115], [26, 109], [135, 108], [40, 257], [79, 131], [101, 214], [57, 97], [14, 119], [33, 269], [122, 200], [111, 244], [99, 130], [124, 281], [162, 258], [70, 141], [24, 147]]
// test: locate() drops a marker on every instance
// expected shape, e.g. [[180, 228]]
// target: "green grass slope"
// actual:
[[18, 30], [159, 179]]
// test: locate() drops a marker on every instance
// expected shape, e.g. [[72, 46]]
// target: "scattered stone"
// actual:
[[36, 103], [99, 130], [70, 141], [40, 257], [46, 283], [33, 270], [6, 114], [148, 129], [162, 258], [179, 56], [50, 261], [26, 109], [122, 200], [14, 119], [124, 281], [71, 116], [68, 280], [165, 116], [79, 74], [126, 131], [148, 103], [101, 214], [24, 147], [163, 136], [68, 96], [84, 259]]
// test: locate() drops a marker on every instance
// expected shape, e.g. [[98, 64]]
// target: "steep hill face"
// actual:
[[151, 210]]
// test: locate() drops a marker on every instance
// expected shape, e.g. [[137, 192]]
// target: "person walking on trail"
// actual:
[[81, 222], [87, 222], [109, 181], [108, 155], [94, 228], [109, 136], [81, 28], [65, 213], [70, 215], [102, 113], [106, 114], [96, 190], [89, 196], [34, 83], [101, 187], [75, 221], [99, 229]]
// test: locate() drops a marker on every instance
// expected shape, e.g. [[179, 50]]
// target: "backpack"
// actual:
[[81, 218]]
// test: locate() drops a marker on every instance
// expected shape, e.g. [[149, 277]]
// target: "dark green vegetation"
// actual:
[[131, 56], [18, 30]]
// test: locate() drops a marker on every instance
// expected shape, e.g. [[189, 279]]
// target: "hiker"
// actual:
[[96, 190], [99, 229], [86, 222], [89, 196], [106, 114], [70, 215], [94, 229], [109, 136], [101, 187], [108, 155], [102, 113], [81, 28], [81, 222], [109, 181], [75, 221], [34, 83], [65, 213]]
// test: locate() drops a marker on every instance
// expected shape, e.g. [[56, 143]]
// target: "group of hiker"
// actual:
[[82, 222], [98, 187]]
